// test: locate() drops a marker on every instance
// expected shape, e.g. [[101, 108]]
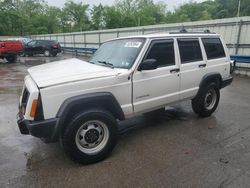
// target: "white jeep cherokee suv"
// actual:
[[81, 103]]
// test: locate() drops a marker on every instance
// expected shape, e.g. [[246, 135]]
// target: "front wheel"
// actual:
[[11, 59], [91, 136], [206, 102], [22, 54]]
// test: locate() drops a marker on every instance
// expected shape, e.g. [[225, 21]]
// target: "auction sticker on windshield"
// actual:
[[132, 44]]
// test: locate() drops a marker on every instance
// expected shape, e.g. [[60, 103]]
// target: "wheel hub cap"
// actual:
[[210, 99], [92, 136]]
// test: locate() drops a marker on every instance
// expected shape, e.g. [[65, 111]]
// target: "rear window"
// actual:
[[190, 50], [213, 47]]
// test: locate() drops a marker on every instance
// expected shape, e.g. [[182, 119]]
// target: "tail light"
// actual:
[[3, 45], [54, 46]]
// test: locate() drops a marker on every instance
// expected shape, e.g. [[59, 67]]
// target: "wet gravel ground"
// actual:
[[178, 149]]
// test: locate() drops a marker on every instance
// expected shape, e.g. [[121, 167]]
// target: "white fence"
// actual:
[[235, 32]]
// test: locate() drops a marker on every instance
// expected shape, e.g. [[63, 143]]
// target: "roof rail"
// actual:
[[183, 30]]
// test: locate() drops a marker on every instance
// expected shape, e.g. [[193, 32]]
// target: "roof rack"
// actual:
[[183, 30]]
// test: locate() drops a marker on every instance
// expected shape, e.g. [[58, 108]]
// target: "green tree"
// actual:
[[112, 17], [24, 17], [53, 19], [77, 14], [149, 13], [229, 8], [97, 17]]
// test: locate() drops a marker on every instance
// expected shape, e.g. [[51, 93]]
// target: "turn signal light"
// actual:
[[33, 108]]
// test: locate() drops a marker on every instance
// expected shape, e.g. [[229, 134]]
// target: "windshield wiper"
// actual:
[[107, 64]]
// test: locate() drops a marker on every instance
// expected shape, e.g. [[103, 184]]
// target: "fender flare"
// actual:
[[214, 76], [78, 103]]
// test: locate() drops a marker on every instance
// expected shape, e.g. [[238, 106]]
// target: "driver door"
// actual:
[[156, 88], [30, 48]]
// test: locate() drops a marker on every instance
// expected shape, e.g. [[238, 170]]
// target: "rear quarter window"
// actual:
[[213, 47]]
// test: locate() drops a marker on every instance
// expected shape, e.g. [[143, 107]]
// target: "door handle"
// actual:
[[202, 65], [175, 70]]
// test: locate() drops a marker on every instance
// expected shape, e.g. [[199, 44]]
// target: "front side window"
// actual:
[[213, 48], [120, 53], [40, 43], [162, 52], [190, 50]]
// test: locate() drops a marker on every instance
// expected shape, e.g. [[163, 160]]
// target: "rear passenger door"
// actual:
[[193, 66], [156, 88], [39, 47]]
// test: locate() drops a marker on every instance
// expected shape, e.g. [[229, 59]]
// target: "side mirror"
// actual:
[[148, 64]]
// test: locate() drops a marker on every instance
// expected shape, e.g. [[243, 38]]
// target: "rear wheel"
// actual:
[[54, 54], [46, 53], [11, 59], [206, 102], [91, 136]]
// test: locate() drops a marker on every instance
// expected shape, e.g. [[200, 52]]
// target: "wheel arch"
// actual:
[[76, 104], [208, 78]]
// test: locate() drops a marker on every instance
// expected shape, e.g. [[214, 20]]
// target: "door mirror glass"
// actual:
[[148, 64]]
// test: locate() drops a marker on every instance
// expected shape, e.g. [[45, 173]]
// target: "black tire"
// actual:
[[11, 59], [200, 103], [54, 54], [22, 54], [70, 136]]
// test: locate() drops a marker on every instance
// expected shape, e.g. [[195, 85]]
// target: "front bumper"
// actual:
[[10, 53], [41, 129], [226, 82]]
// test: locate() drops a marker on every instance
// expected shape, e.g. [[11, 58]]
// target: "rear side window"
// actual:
[[213, 48], [190, 50], [39, 42], [163, 52]]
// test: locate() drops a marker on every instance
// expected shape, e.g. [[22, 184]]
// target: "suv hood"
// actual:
[[69, 70]]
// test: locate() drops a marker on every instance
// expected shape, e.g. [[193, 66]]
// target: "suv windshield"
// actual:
[[120, 53]]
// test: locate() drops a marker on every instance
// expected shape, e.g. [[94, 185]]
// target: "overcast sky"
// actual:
[[171, 3]]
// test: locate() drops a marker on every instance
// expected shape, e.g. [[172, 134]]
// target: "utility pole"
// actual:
[[238, 12], [238, 25]]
